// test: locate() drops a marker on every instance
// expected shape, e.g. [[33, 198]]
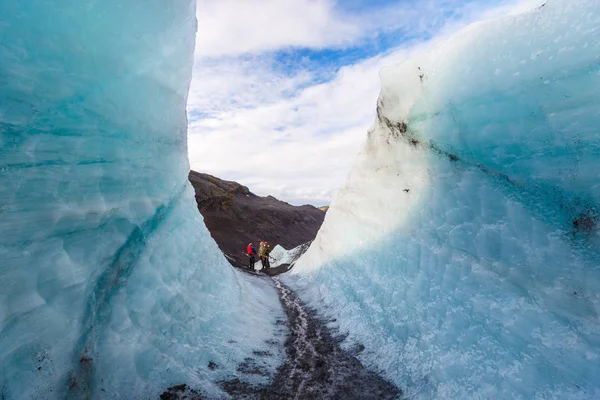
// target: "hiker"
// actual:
[[261, 253], [251, 250], [266, 252]]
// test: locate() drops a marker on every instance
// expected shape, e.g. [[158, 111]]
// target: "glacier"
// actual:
[[464, 251], [111, 285]]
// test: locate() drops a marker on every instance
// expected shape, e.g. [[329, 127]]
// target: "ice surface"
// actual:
[[111, 285], [464, 249], [280, 255]]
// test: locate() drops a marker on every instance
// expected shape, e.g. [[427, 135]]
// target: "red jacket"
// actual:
[[250, 250]]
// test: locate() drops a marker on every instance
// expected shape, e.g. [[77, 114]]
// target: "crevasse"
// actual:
[[464, 249]]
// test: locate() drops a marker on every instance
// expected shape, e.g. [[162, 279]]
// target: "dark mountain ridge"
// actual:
[[235, 216]]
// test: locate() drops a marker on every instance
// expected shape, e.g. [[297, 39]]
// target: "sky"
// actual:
[[284, 91]]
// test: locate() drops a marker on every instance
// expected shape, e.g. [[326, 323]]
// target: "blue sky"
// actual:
[[283, 91]]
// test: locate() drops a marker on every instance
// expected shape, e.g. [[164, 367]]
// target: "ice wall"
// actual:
[[464, 249], [111, 287]]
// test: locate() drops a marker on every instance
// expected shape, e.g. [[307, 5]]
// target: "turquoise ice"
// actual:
[[111, 285]]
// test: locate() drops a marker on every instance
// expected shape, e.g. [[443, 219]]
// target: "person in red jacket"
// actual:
[[251, 250]]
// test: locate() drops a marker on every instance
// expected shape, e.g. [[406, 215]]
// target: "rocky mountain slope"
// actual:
[[235, 216]]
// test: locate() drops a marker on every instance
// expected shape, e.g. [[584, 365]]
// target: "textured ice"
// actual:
[[111, 287], [464, 249], [280, 255]]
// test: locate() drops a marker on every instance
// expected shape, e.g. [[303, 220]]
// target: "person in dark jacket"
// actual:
[[251, 250]]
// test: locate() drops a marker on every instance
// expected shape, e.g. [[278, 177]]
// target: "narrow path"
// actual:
[[316, 366]]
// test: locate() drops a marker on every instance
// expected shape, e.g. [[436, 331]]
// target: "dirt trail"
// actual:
[[316, 367]]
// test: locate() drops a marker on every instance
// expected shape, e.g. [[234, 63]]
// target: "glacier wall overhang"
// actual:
[[464, 248]]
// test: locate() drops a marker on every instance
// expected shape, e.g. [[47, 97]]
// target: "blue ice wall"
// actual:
[[470, 256], [111, 286]]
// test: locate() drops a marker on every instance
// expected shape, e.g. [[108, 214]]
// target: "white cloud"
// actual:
[[228, 27], [234, 27], [232, 83]]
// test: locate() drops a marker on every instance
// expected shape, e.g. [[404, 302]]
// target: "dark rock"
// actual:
[[357, 349], [235, 216], [250, 367], [585, 223], [453, 157], [240, 389], [181, 392], [262, 353]]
